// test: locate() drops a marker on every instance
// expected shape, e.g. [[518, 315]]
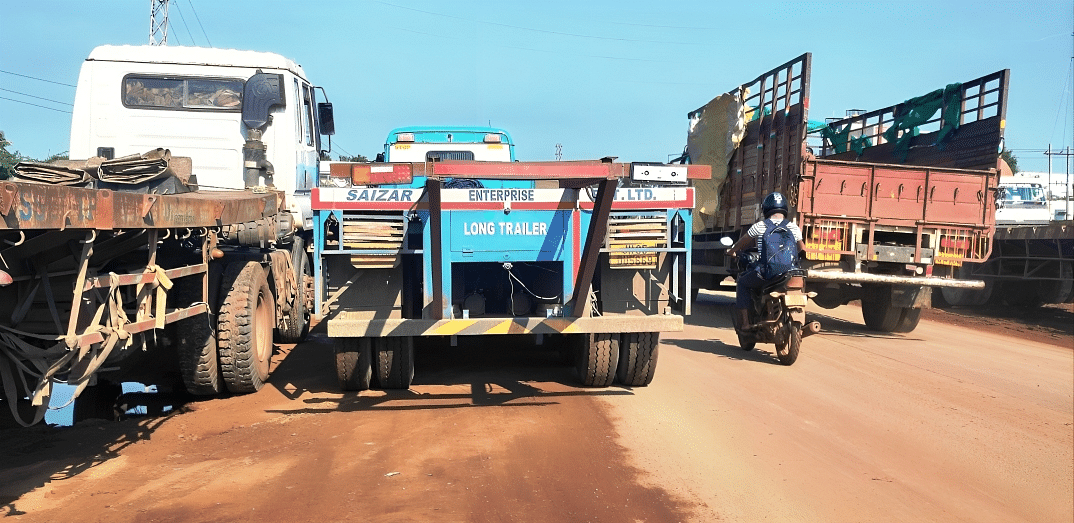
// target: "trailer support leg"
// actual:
[[432, 186], [598, 228]]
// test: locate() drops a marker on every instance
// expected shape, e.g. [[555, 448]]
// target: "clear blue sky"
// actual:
[[602, 78]]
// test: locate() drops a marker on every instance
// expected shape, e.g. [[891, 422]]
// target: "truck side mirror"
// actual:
[[263, 91], [324, 114]]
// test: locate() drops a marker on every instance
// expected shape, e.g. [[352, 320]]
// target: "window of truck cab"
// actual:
[[182, 93]]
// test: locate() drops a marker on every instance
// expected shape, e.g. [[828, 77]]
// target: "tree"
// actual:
[[359, 158], [1011, 159], [9, 159]]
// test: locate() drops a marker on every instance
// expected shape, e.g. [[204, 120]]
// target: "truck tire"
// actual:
[[967, 297], [908, 320], [638, 352], [394, 361], [196, 340], [1022, 294], [877, 311], [244, 327], [298, 321], [354, 366], [598, 360]]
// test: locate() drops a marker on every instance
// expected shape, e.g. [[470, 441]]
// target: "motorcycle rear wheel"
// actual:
[[789, 344]]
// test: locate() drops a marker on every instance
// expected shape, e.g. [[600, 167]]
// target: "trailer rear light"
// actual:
[[492, 138], [405, 137]]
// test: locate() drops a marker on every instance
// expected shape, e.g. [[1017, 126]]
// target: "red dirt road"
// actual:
[[947, 423]]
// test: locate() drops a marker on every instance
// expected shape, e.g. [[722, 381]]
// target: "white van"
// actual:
[[132, 99]]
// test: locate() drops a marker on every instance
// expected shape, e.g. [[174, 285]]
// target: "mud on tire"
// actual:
[[196, 340], [244, 327], [298, 322]]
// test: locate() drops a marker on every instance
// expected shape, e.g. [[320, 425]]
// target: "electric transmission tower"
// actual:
[[158, 22], [559, 151]]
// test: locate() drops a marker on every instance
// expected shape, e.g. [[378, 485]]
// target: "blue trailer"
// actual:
[[594, 256]]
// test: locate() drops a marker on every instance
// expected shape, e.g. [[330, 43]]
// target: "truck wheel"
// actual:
[[1052, 291], [598, 360], [908, 320], [196, 341], [877, 311], [395, 361], [244, 327], [638, 353], [1023, 294], [789, 344], [354, 366], [967, 297], [298, 322]]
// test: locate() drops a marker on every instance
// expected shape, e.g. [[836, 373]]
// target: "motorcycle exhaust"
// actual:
[[810, 328]]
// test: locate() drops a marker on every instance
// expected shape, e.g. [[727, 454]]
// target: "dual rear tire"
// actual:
[[360, 361], [627, 358]]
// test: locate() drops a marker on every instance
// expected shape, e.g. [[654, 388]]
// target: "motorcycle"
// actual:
[[777, 314]]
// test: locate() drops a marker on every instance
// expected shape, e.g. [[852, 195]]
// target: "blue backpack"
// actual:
[[779, 250]]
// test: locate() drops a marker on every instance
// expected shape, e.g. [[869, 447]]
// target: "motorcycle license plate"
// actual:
[[795, 300]]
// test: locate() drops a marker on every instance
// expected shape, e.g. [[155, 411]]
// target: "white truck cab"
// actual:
[[1021, 203], [204, 103]]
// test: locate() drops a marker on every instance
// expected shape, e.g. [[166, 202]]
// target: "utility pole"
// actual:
[[1068, 191], [158, 22]]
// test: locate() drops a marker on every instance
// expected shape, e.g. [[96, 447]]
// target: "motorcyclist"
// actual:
[[774, 208]]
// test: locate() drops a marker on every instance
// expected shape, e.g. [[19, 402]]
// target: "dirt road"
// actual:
[[947, 423]]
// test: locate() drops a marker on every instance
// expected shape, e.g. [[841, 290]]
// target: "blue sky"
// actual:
[[601, 78]]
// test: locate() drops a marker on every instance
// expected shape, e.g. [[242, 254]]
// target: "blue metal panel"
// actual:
[[520, 231]]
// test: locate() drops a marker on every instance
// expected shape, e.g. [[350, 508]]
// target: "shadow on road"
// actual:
[[481, 371], [69, 451]]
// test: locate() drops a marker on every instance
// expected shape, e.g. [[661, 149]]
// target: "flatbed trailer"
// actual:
[[1030, 265], [594, 254], [120, 286]]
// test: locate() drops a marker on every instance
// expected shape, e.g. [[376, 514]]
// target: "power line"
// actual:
[[38, 79], [198, 18], [38, 97], [174, 36], [187, 27], [35, 105]]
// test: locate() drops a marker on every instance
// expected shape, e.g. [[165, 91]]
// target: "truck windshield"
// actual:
[[199, 94], [1023, 194]]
